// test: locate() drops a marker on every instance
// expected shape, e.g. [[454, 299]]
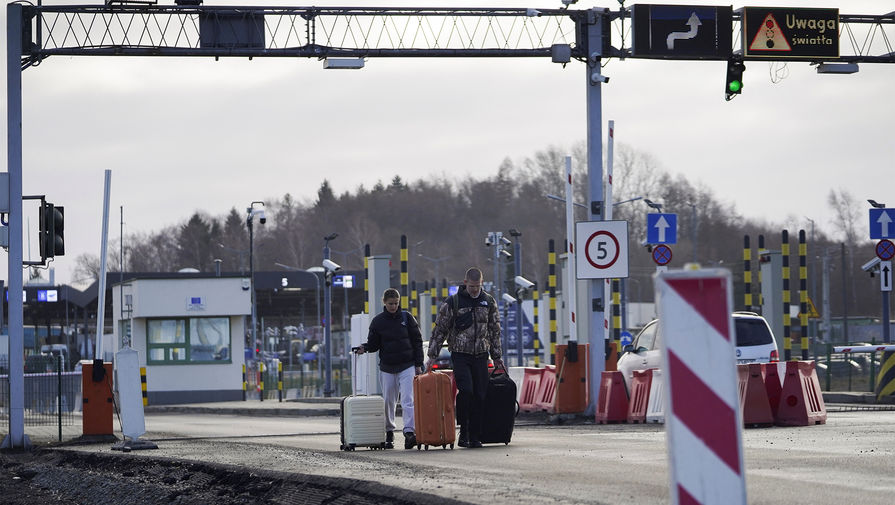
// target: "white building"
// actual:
[[189, 331]]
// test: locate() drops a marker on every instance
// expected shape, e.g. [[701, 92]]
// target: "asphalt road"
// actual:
[[847, 460]]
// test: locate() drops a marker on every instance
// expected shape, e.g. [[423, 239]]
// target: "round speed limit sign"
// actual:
[[602, 249]]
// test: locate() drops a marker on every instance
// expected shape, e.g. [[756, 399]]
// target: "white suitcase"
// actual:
[[363, 422]]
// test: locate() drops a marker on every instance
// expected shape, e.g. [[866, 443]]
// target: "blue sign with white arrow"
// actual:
[[881, 223], [661, 228]]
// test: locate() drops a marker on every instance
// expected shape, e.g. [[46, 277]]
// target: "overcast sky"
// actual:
[[187, 134]]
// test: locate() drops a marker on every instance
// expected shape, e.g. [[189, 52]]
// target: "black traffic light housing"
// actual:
[[734, 84], [51, 234]]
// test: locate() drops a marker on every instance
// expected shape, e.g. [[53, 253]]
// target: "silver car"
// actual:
[[755, 343]]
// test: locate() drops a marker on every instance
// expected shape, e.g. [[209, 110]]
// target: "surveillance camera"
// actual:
[[597, 77], [568, 2], [488, 242], [331, 266], [871, 266], [505, 241], [508, 298], [532, 13], [524, 283], [262, 218]]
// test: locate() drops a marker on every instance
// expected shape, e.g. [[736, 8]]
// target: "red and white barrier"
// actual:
[[702, 417], [528, 397], [864, 348], [655, 409]]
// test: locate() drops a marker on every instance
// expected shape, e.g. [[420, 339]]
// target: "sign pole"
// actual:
[[597, 353]]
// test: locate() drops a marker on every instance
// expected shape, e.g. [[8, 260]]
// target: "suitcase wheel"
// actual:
[[443, 447], [452, 447], [427, 447], [418, 447]]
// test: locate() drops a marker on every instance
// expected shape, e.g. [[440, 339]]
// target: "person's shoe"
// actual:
[[409, 440], [389, 439], [463, 441], [473, 444]]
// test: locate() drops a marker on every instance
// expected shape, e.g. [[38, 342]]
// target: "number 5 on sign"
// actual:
[[602, 249]]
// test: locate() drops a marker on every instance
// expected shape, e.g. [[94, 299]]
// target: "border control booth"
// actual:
[[189, 333]]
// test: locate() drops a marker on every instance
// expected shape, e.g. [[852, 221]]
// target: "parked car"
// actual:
[[755, 343]]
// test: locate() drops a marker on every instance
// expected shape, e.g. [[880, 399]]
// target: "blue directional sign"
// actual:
[[661, 228], [882, 223]]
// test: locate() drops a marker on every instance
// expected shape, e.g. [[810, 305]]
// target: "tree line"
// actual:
[[446, 222]]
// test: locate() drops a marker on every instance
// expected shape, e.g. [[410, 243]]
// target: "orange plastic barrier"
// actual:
[[640, 386], [801, 401], [571, 378], [611, 357], [773, 385], [753, 396], [96, 418], [528, 396], [547, 389], [612, 406]]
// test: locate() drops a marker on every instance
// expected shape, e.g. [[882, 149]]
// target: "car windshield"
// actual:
[[752, 332]]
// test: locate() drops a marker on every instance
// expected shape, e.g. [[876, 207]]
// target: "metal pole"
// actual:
[[844, 297], [16, 438], [101, 302], [595, 175], [886, 338], [327, 330], [252, 277], [517, 266]]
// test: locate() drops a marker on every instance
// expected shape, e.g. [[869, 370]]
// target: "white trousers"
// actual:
[[395, 385]]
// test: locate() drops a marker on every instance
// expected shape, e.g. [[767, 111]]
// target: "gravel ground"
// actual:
[[47, 476]]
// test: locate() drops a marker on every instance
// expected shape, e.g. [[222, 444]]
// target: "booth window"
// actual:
[[188, 340]]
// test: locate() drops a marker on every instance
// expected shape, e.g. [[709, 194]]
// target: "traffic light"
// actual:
[[51, 233], [734, 85]]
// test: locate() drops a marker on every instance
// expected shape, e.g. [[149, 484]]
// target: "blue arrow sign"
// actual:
[[661, 228], [882, 223]]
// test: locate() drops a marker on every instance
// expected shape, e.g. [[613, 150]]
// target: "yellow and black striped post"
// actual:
[[366, 279], [747, 274], [616, 314], [404, 278], [413, 300], [536, 341], [432, 292], [761, 251], [551, 286], [444, 289], [803, 293], [280, 380], [143, 386], [261, 379], [244, 383], [787, 335], [885, 383]]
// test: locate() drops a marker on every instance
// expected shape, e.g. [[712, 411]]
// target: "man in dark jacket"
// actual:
[[471, 324], [396, 335]]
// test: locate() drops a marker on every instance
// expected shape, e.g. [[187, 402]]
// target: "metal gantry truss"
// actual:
[[321, 32]]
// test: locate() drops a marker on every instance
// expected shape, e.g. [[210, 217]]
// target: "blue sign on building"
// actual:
[[661, 228]]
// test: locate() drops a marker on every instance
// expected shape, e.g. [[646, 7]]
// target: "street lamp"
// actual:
[[653, 205], [330, 267], [251, 212], [517, 268], [240, 252]]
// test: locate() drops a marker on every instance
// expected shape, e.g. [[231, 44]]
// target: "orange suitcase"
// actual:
[[433, 410]]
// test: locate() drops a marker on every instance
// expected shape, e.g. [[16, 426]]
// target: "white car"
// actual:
[[755, 343]]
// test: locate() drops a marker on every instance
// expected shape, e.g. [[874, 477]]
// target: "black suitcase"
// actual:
[[500, 410]]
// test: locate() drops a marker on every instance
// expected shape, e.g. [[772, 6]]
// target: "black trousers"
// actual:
[[471, 374]]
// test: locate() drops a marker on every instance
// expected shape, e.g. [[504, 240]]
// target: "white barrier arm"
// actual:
[[864, 348]]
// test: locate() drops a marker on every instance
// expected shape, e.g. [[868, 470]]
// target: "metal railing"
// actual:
[[51, 398]]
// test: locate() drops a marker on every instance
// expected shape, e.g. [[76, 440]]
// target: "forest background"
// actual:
[[447, 219]]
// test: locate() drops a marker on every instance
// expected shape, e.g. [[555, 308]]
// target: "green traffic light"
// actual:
[[735, 86]]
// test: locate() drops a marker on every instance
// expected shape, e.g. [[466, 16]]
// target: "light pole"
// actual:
[[517, 268], [330, 268], [251, 212], [437, 262], [240, 252], [694, 217]]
